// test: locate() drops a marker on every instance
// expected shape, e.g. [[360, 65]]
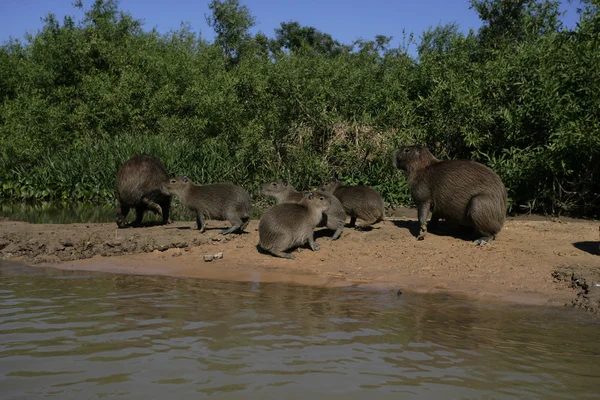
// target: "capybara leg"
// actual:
[[486, 217], [245, 223], [121, 218], [313, 244], [283, 254], [166, 209], [200, 222], [337, 233], [352, 223], [434, 222], [152, 206], [423, 212], [367, 223], [236, 224], [139, 215]]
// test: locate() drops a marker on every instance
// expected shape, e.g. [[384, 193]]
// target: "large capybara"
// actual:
[[334, 218], [219, 201], [358, 201], [460, 190], [288, 225], [138, 186]]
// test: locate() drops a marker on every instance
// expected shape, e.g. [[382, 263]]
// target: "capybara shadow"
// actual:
[[590, 247], [411, 226], [443, 228]]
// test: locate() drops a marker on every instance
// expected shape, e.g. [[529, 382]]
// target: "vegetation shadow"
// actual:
[[588, 246]]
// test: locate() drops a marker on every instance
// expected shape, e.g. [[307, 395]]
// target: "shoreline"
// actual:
[[533, 261]]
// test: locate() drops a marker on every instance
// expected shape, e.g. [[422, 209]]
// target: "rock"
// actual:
[[113, 243], [66, 242], [208, 257], [218, 255], [3, 243]]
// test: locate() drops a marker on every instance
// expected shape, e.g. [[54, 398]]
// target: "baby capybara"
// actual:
[[138, 186], [219, 201], [358, 201], [460, 190], [288, 225], [334, 218]]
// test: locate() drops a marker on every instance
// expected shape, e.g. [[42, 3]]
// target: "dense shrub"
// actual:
[[521, 95]]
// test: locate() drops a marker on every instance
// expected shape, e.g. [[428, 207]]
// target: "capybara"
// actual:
[[287, 225], [460, 190], [358, 201], [219, 201], [334, 218], [138, 186]]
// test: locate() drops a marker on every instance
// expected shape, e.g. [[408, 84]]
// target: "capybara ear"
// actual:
[[185, 179], [285, 183], [311, 195]]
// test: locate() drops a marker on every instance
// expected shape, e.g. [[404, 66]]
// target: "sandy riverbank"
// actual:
[[534, 260]]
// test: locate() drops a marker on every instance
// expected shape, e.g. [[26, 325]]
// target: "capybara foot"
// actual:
[[483, 240], [283, 254], [122, 223], [336, 234], [315, 246]]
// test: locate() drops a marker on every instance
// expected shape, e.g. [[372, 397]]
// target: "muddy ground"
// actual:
[[534, 260]]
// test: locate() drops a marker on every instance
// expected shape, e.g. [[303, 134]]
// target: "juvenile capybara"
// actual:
[[358, 201], [334, 218], [460, 190], [287, 225], [138, 186], [219, 201]]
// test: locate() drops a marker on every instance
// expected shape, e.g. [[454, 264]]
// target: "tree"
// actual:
[[232, 24]]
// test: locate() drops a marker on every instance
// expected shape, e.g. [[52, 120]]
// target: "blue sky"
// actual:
[[345, 20]]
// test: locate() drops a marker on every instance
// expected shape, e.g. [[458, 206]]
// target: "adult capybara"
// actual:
[[460, 190], [358, 201], [138, 186], [219, 201], [287, 225], [334, 218]]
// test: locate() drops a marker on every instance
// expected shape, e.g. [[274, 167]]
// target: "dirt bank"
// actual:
[[519, 266]]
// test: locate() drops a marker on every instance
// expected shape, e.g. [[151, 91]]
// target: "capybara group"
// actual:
[[138, 186], [287, 225], [360, 202], [459, 190], [334, 218], [219, 201]]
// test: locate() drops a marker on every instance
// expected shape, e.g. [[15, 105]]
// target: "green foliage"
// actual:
[[77, 99]]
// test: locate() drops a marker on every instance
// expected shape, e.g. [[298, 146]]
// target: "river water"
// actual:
[[80, 335]]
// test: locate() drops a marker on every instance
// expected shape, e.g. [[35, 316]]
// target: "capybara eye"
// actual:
[[321, 198], [274, 184], [406, 150], [173, 180]]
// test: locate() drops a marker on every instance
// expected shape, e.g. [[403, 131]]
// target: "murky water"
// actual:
[[72, 335]]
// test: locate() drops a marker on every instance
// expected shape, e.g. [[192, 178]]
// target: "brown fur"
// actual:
[[334, 218], [358, 201], [219, 201], [138, 186], [459, 190], [288, 225]]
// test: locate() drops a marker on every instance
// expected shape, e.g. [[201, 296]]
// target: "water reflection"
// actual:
[[98, 335], [70, 213]]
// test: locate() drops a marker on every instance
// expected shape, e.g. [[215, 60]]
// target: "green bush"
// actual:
[[79, 98]]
